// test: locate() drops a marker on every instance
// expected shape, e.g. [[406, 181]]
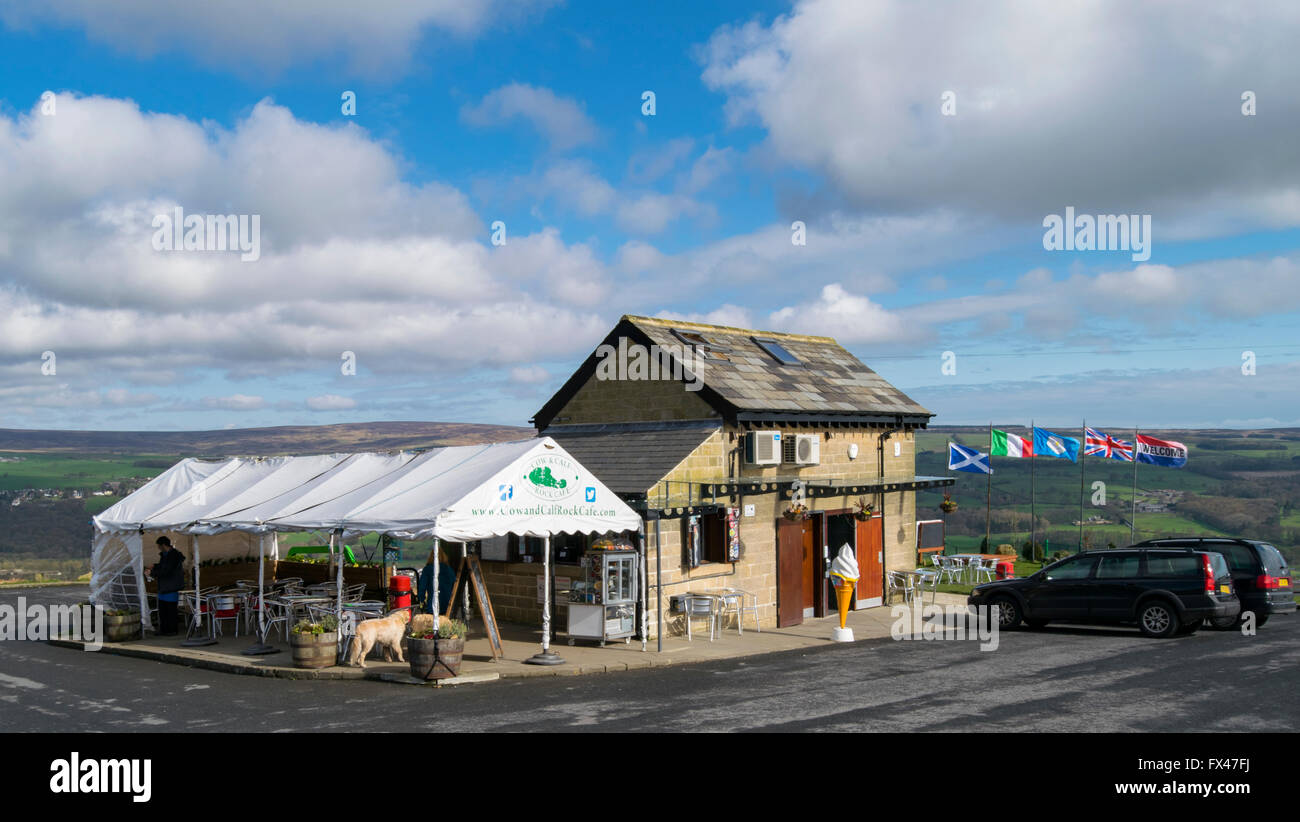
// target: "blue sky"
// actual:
[[924, 225]]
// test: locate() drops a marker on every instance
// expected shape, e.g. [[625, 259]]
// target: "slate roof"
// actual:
[[744, 382], [827, 378], [631, 457]]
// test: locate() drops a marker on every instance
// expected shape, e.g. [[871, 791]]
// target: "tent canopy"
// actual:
[[529, 487]]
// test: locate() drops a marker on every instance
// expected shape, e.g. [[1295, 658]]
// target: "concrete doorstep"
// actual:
[[518, 644]]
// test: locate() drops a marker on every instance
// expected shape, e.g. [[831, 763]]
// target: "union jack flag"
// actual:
[[1097, 444]]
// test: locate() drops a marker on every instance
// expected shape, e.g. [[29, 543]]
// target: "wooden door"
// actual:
[[789, 575], [871, 546], [811, 569]]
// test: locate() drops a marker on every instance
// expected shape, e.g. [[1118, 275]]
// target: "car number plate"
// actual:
[[1284, 583], [1224, 589]]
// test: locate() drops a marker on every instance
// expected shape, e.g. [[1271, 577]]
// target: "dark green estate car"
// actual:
[[1164, 591]]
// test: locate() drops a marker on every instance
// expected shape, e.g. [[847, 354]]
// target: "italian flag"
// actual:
[[1009, 445]]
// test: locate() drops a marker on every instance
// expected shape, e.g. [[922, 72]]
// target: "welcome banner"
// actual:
[[1161, 452]]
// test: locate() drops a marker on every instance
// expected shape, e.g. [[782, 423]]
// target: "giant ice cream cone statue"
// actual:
[[844, 570]]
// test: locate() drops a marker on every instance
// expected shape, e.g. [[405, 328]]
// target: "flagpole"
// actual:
[[1083, 441], [1132, 519], [1033, 520], [988, 498]]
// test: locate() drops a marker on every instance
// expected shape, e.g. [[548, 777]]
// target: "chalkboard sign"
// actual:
[[469, 565], [929, 535]]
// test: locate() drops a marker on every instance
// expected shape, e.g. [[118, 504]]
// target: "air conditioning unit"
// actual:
[[763, 447], [807, 449]]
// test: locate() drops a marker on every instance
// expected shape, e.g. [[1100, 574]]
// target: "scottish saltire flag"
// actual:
[[1048, 444], [1161, 452], [1009, 445], [967, 459], [1097, 444]]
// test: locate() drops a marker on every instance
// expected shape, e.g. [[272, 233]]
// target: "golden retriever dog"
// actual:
[[386, 632], [423, 623]]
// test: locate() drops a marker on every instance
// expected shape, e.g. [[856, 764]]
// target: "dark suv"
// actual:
[[1259, 574], [1165, 591]]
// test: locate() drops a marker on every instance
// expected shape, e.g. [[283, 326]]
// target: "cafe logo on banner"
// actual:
[[551, 477]]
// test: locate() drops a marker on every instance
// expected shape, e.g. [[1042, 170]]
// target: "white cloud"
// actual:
[[373, 38], [561, 120], [235, 402], [849, 318], [1048, 111], [530, 375], [331, 402]]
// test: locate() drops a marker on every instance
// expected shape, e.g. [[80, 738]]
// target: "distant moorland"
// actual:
[[1243, 483]]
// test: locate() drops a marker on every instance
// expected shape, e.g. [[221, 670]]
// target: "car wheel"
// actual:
[[1009, 613], [1036, 624], [1157, 618]]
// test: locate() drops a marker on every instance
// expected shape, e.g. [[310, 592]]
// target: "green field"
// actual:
[[1233, 485], [73, 471]]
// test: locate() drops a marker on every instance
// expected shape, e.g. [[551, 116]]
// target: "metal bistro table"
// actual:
[[299, 603]]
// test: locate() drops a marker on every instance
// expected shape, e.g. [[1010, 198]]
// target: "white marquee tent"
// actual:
[[461, 493]]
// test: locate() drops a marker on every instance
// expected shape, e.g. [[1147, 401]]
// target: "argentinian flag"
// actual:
[[1047, 444]]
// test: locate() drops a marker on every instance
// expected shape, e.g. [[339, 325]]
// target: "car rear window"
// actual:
[[1218, 564], [1121, 567], [1173, 565], [1241, 558], [1274, 562]]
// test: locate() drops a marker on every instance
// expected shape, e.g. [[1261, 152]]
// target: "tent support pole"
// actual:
[[546, 657], [645, 586], [260, 647], [196, 618], [336, 542], [433, 586]]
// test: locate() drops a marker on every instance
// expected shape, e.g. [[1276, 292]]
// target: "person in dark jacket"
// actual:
[[170, 574], [446, 580]]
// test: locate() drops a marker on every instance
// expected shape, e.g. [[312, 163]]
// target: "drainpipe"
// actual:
[[659, 590]]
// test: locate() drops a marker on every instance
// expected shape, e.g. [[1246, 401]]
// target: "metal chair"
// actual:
[[986, 568], [920, 578], [699, 605], [899, 583], [952, 569], [223, 608], [277, 613], [354, 593], [734, 600]]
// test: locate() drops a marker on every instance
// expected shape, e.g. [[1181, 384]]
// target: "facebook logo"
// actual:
[[591, 493], [507, 491]]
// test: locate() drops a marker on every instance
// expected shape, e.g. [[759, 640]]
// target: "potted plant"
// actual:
[[315, 644], [949, 504], [437, 654], [121, 624], [863, 509], [796, 512]]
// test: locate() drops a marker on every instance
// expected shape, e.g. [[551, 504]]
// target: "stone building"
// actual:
[[715, 433]]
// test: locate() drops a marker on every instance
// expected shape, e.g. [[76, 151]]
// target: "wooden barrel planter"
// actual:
[[122, 627], [435, 658], [314, 650]]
